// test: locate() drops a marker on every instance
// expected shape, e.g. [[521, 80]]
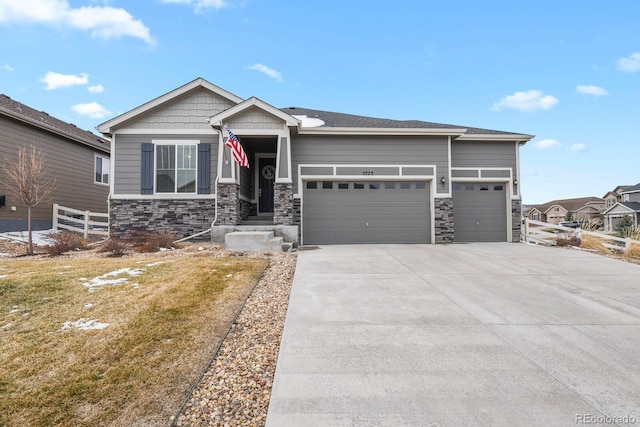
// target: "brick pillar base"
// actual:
[[283, 209], [443, 209], [228, 196], [516, 220]]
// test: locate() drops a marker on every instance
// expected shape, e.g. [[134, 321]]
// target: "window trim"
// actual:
[[175, 143], [97, 156]]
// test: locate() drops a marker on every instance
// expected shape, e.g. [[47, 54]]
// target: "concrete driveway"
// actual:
[[463, 334]]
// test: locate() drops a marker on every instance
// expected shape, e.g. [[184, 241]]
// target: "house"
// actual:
[[612, 197], [582, 209], [628, 204], [340, 178], [77, 161]]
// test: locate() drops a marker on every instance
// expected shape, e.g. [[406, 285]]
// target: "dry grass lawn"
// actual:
[[147, 338]]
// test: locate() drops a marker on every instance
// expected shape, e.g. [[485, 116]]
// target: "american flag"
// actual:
[[236, 149]]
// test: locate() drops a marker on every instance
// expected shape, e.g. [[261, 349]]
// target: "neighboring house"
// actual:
[[629, 204], [77, 160], [341, 178], [582, 209], [612, 197]]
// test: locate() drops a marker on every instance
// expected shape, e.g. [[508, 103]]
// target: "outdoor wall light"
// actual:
[[443, 180], [515, 182]]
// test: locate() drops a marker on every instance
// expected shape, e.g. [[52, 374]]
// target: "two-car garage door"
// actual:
[[366, 212]]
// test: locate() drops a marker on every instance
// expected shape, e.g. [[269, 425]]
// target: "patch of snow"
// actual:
[[229, 275], [2, 276], [88, 305], [84, 325], [2, 254], [39, 237], [8, 325], [153, 264], [111, 278], [15, 310]]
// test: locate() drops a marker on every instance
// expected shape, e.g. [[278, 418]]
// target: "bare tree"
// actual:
[[31, 184]]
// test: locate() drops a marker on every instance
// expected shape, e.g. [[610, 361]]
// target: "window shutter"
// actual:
[[204, 169], [146, 169]]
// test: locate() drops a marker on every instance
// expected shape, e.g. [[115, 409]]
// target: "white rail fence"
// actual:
[[547, 234], [85, 222]]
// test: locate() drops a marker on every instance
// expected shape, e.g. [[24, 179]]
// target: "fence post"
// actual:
[[55, 216], [526, 230], [87, 215], [627, 243]]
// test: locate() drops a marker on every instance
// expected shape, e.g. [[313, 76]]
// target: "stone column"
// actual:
[[283, 210], [228, 195], [443, 220], [516, 220]]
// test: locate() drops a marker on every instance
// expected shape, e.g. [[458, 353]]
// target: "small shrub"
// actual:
[[63, 242], [632, 232], [594, 243], [568, 241], [114, 247], [633, 252], [156, 242]]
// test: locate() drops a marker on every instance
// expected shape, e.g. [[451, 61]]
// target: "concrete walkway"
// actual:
[[465, 334]]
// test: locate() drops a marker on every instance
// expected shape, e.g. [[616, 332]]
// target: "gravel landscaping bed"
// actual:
[[236, 388]]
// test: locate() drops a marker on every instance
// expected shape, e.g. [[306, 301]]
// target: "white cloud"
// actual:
[[545, 144], [200, 6], [630, 64], [531, 100], [6, 67], [578, 147], [268, 71], [102, 21], [96, 89], [592, 90], [57, 80], [92, 109]]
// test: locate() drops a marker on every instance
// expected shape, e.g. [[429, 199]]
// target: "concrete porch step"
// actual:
[[258, 241]]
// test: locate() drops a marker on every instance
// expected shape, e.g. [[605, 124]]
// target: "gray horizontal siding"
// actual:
[[489, 154], [127, 159], [69, 163], [390, 150]]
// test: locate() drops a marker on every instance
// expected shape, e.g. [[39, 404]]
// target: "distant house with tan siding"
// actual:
[[582, 209], [78, 161]]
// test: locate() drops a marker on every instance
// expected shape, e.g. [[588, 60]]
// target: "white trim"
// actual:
[[256, 177], [95, 159], [162, 196], [218, 119], [178, 132], [380, 131], [335, 177], [517, 173], [487, 137]]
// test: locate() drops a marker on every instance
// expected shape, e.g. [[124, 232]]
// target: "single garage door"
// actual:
[[342, 212], [480, 212]]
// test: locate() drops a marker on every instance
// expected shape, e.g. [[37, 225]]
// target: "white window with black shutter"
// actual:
[[175, 167]]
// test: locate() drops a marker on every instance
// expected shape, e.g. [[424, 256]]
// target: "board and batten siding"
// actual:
[[69, 163], [189, 112], [486, 154], [128, 158], [370, 150]]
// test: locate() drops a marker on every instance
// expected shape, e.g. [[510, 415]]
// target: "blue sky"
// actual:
[[565, 71]]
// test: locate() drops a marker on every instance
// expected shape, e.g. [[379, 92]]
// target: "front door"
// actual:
[[266, 179]]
